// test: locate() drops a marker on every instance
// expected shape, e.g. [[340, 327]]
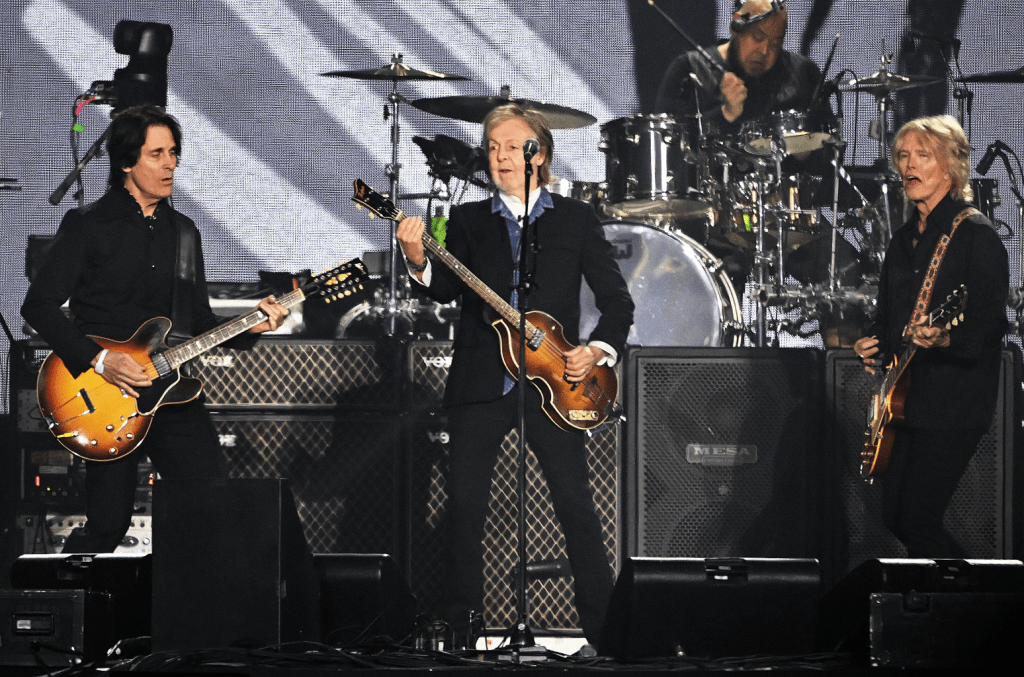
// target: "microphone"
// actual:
[[530, 148], [989, 158]]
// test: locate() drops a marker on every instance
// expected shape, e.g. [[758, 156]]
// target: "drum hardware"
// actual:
[[448, 158], [476, 108], [1012, 76], [396, 71], [683, 296], [840, 313]]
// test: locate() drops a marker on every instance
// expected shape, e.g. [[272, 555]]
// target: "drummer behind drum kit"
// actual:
[[679, 206]]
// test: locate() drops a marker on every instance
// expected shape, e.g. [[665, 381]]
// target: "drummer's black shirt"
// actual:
[[789, 85]]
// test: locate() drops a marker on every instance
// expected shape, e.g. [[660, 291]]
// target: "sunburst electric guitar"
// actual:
[[583, 405], [98, 421], [886, 410]]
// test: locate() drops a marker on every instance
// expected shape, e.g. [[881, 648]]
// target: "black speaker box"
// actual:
[[711, 608], [981, 515], [924, 612], [231, 566], [363, 598], [84, 603], [722, 452]]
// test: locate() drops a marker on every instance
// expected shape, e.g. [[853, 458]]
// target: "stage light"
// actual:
[[144, 79]]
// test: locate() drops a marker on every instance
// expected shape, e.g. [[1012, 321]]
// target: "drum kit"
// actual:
[[697, 224]]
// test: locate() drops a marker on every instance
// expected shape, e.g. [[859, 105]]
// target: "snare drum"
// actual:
[[682, 295], [651, 168], [795, 131]]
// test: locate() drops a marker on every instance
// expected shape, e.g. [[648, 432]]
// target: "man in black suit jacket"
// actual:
[[480, 395]]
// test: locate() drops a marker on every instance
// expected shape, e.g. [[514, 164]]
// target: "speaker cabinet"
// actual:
[[926, 613], [230, 566], [363, 597], [721, 452], [710, 608], [343, 468], [551, 599], [980, 516]]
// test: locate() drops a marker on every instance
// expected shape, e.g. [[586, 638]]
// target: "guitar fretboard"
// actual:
[[195, 347]]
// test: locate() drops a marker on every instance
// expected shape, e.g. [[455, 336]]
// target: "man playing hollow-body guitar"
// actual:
[[123, 260], [480, 397]]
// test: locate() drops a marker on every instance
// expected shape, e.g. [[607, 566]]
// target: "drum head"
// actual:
[[679, 301]]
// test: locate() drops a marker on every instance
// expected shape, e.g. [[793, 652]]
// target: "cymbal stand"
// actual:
[[393, 171]]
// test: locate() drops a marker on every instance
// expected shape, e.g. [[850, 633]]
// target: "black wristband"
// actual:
[[416, 268]]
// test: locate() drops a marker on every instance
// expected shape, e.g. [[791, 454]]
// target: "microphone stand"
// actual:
[[521, 635], [95, 150]]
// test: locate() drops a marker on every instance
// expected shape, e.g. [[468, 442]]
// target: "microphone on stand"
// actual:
[[530, 148], [990, 156]]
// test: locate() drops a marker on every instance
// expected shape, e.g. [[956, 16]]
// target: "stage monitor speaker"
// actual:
[[925, 612], [231, 566], [722, 452], [86, 602], [711, 608], [364, 598], [981, 514]]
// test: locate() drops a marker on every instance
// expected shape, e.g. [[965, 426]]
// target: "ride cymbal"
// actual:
[[476, 108], [396, 70]]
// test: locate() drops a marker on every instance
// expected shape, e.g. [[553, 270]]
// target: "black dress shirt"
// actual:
[[117, 268], [955, 387]]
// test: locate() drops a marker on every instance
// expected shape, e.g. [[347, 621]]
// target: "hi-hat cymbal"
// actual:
[[476, 108], [883, 82], [995, 76], [394, 71]]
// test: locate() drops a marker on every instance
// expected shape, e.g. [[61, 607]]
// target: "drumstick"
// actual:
[[700, 50]]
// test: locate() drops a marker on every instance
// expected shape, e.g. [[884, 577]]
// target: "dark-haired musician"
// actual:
[[954, 376], [480, 398], [123, 260]]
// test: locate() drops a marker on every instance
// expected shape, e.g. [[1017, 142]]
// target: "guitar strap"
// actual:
[[924, 297], [184, 281]]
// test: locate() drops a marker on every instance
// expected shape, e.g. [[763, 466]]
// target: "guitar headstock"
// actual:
[[951, 311], [339, 282], [375, 202]]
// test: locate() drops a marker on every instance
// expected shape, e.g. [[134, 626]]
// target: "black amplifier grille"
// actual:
[[302, 374]]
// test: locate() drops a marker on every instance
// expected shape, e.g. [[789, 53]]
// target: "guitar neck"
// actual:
[[896, 370], [507, 312], [195, 347]]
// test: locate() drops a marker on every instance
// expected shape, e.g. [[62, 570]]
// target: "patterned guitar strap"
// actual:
[[924, 297]]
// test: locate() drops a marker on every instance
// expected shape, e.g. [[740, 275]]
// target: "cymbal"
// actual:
[[995, 76], [476, 108], [394, 71], [883, 82]]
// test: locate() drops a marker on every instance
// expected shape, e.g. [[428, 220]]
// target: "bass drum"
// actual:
[[682, 295]]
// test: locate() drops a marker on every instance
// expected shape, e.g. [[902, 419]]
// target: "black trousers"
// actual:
[[924, 470], [181, 443], [476, 432]]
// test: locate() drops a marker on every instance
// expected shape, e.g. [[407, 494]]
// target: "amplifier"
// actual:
[[46, 534], [428, 365], [302, 374]]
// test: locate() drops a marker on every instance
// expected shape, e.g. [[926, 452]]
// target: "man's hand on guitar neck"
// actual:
[[275, 313], [929, 336], [122, 370], [580, 360], [410, 237]]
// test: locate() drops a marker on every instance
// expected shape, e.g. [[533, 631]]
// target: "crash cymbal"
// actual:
[[995, 76], [884, 82], [476, 108], [396, 70]]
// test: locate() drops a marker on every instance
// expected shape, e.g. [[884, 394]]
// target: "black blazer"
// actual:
[[573, 248]]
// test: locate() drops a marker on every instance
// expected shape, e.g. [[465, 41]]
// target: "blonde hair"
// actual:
[[949, 143], [538, 124]]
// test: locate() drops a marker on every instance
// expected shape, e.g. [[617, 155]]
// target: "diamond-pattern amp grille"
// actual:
[[301, 374]]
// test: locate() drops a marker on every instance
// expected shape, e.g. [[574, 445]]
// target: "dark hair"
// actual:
[[128, 133]]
